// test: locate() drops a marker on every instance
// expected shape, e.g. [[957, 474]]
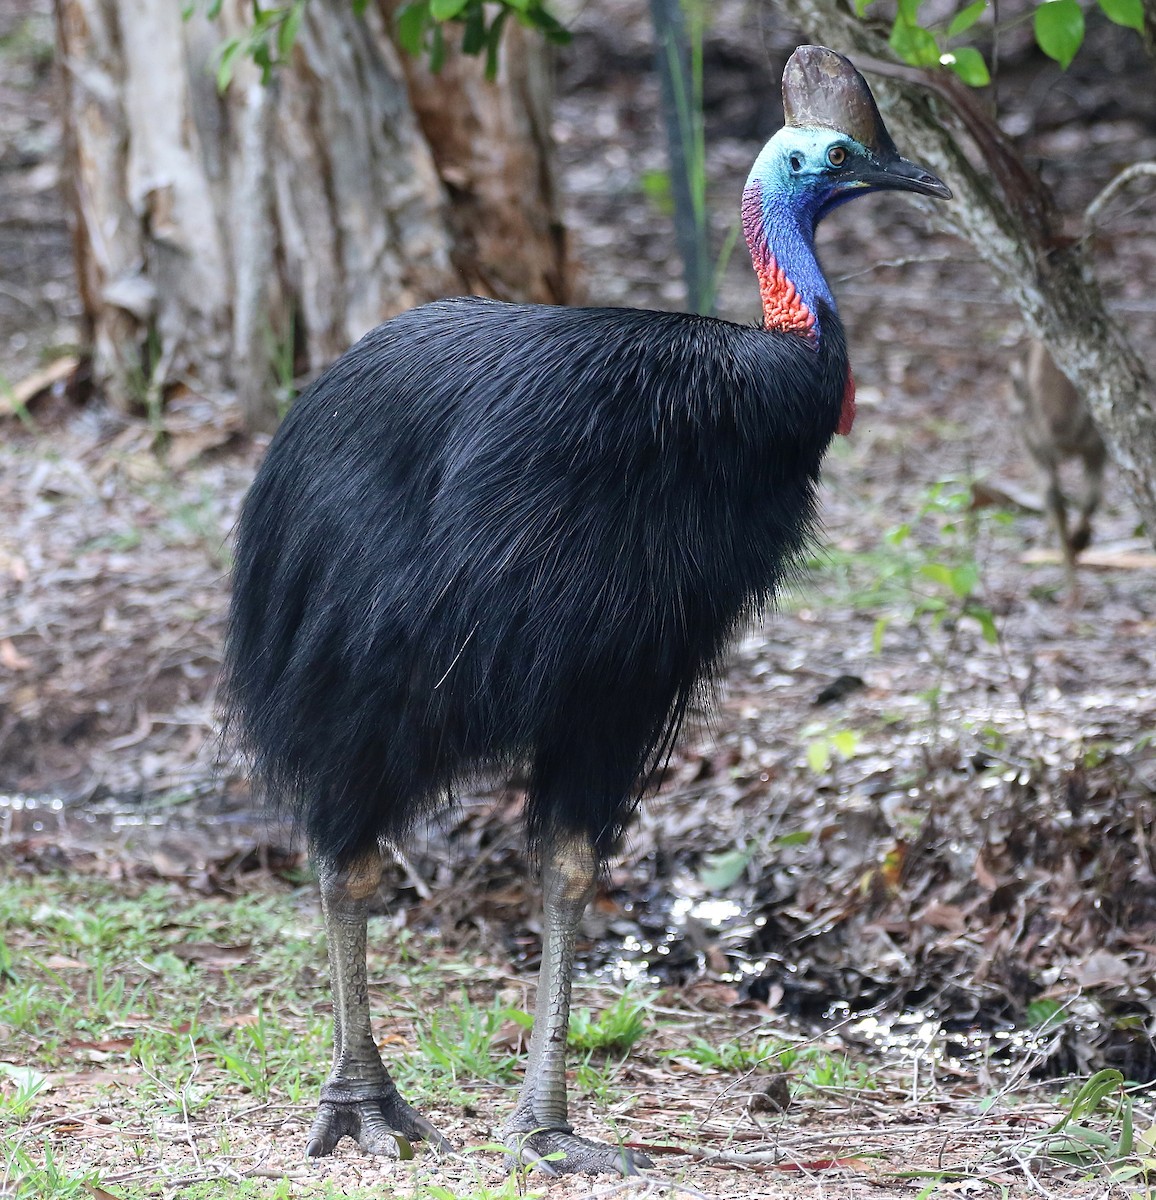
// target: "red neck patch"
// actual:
[[847, 413], [783, 307]]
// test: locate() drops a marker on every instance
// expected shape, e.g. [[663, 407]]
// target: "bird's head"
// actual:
[[833, 146], [823, 168]]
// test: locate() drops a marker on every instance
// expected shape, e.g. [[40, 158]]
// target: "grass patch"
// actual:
[[154, 1046], [459, 1042], [615, 1030], [811, 1067], [183, 1012]]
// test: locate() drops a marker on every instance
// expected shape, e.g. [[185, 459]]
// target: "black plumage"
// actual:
[[494, 534]]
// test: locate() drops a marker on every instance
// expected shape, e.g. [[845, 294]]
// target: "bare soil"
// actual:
[[980, 843]]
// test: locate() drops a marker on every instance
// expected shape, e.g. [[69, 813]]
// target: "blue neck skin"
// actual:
[[781, 211]]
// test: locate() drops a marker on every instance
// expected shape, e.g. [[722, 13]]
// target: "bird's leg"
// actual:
[[359, 1098], [539, 1126]]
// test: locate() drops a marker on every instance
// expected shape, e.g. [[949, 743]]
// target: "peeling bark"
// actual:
[[1007, 216], [209, 228], [494, 159]]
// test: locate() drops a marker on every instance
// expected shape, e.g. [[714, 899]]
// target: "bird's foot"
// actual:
[[383, 1124], [558, 1151]]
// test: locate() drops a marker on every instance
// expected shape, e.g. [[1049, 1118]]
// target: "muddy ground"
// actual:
[[884, 816]]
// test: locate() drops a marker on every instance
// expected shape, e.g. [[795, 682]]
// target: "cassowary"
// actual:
[[495, 535]]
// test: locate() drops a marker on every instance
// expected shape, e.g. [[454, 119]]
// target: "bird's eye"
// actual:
[[836, 156]]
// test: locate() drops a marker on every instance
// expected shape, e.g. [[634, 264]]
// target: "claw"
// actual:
[[382, 1127], [541, 1150]]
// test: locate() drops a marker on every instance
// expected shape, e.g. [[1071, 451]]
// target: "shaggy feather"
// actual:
[[494, 534]]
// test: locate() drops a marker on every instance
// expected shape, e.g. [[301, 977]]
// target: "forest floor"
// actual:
[[904, 863]]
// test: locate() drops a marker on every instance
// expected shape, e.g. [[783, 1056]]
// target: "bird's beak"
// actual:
[[901, 175]]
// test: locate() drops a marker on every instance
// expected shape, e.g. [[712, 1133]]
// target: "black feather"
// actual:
[[493, 534]]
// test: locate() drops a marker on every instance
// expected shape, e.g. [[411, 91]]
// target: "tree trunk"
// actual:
[[1006, 215], [215, 233]]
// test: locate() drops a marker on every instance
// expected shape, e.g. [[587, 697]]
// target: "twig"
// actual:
[[912, 261], [419, 884], [184, 1095], [19, 295], [1112, 189], [651, 1187]]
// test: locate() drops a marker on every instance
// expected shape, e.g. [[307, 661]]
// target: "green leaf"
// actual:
[[437, 50], [961, 580], [1044, 1013], [411, 23], [554, 31], [263, 57], [968, 64], [656, 187], [287, 34], [1059, 26], [964, 580], [230, 52], [819, 756], [937, 572], [916, 45], [719, 871], [1124, 12], [799, 838], [474, 37], [967, 17], [931, 604], [493, 44], [879, 633], [446, 10], [861, 7], [1127, 1138], [986, 621], [845, 742], [1088, 1098]]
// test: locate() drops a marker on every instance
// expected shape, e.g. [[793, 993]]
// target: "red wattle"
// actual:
[[783, 308], [847, 413]]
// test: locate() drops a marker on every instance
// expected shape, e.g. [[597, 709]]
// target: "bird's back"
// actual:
[[493, 534]]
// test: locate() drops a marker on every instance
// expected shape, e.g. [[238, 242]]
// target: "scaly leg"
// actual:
[[359, 1098], [539, 1125]]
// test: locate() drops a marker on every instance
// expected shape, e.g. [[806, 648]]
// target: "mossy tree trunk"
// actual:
[[215, 231]]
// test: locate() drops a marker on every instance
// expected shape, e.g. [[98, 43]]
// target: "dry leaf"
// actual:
[[11, 658], [212, 955], [943, 916], [1102, 969], [24, 392]]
